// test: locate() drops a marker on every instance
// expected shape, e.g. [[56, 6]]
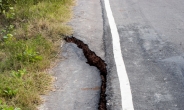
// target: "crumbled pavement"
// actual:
[[77, 85]]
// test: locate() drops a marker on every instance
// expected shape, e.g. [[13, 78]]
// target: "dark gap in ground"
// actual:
[[93, 60]]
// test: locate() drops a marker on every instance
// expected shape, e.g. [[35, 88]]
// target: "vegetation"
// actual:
[[30, 34]]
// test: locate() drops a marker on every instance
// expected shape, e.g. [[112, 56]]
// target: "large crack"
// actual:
[[93, 60]]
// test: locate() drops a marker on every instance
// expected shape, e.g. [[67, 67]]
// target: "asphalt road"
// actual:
[[152, 43]]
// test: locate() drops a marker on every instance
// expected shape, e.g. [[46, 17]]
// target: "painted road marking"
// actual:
[[126, 96]]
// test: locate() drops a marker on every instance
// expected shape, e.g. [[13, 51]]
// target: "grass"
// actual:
[[29, 43]]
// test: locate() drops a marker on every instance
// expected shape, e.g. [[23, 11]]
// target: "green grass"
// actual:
[[27, 89], [29, 43]]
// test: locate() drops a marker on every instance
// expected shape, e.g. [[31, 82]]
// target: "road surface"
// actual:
[[151, 37]]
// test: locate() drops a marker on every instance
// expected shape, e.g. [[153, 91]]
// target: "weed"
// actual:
[[19, 73], [30, 32], [8, 92], [5, 5], [29, 55], [8, 37], [6, 107], [10, 14], [6, 33]]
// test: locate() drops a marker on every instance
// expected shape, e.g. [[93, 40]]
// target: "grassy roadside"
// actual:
[[30, 35]]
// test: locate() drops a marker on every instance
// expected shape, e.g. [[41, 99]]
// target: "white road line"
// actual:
[[126, 96]]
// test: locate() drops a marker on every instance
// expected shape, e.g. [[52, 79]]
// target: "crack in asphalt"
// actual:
[[93, 60]]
